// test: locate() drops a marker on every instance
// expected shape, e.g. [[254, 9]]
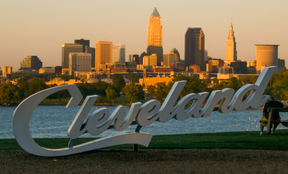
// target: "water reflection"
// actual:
[[53, 122]]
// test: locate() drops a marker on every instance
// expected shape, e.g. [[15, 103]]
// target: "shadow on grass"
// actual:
[[231, 140]]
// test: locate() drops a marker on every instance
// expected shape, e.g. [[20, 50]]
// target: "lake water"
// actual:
[[54, 121]]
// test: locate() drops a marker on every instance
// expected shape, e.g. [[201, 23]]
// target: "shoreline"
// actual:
[[105, 104]]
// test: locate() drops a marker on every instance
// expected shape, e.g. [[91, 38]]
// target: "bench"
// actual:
[[275, 109]]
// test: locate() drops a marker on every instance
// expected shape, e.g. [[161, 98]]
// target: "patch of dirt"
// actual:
[[149, 161]]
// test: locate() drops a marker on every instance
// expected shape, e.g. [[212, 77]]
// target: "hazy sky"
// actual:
[[37, 27]]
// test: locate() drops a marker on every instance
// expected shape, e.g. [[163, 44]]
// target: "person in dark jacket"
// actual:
[[276, 117]]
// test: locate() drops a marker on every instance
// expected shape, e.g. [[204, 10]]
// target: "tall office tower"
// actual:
[[195, 48], [231, 53], [169, 59], [79, 62], [176, 52], [66, 49], [92, 51], [31, 62], [155, 36], [103, 55], [85, 43], [266, 55], [118, 53]]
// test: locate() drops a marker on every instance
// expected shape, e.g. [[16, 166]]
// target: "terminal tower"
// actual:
[[231, 53]]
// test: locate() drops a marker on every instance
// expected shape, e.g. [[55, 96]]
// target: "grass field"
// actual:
[[232, 140]]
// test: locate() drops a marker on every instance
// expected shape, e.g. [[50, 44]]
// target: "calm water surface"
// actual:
[[54, 121]]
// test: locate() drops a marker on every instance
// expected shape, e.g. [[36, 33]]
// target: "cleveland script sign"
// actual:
[[144, 114]]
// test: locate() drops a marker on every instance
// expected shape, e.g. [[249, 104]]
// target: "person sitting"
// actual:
[[276, 117]]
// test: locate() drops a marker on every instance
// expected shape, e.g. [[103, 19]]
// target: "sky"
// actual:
[[36, 27]]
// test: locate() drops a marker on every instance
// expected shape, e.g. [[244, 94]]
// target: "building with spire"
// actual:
[[195, 48], [231, 53], [155, 36]]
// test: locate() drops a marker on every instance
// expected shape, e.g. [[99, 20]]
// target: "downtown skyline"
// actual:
[[40, 28]]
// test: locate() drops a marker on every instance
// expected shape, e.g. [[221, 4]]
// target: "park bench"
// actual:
[[275, 109]]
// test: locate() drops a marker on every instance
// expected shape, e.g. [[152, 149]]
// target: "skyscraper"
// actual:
[[155, 31], [118, 53], [85, 43], [79, 62], [231, 53], [155, 36], [92, 51], [66, 49], [103, 55], [195, 47]]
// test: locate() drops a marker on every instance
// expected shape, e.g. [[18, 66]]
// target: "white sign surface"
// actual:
[[145, 114]]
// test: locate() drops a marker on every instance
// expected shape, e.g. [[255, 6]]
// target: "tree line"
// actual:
[[10, 93], [14, 94]]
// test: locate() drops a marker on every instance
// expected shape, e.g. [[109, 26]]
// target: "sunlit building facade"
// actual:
[[169, 59], [6, 71], [80, 62], [118, 53], [155, 31], [266, 55], [47, 70], [66, 49], [231, 53], [155, 36], [103, 55], [149, 61], [135, 58], [31, 63]]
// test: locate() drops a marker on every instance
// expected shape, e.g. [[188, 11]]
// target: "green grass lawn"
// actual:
[[233, 140]]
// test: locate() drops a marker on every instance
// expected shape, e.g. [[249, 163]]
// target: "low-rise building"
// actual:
[[47, 70]]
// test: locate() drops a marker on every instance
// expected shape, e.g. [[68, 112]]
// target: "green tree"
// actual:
[[193, 85], [118, 83], [234, 83], [133, 78], [9, 93], [161, 90], [151, 91], [23, 85], [134, 91], [101, 87], [248, 79], [278, 86], [36, 85], [280, 93], [111, 94]]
